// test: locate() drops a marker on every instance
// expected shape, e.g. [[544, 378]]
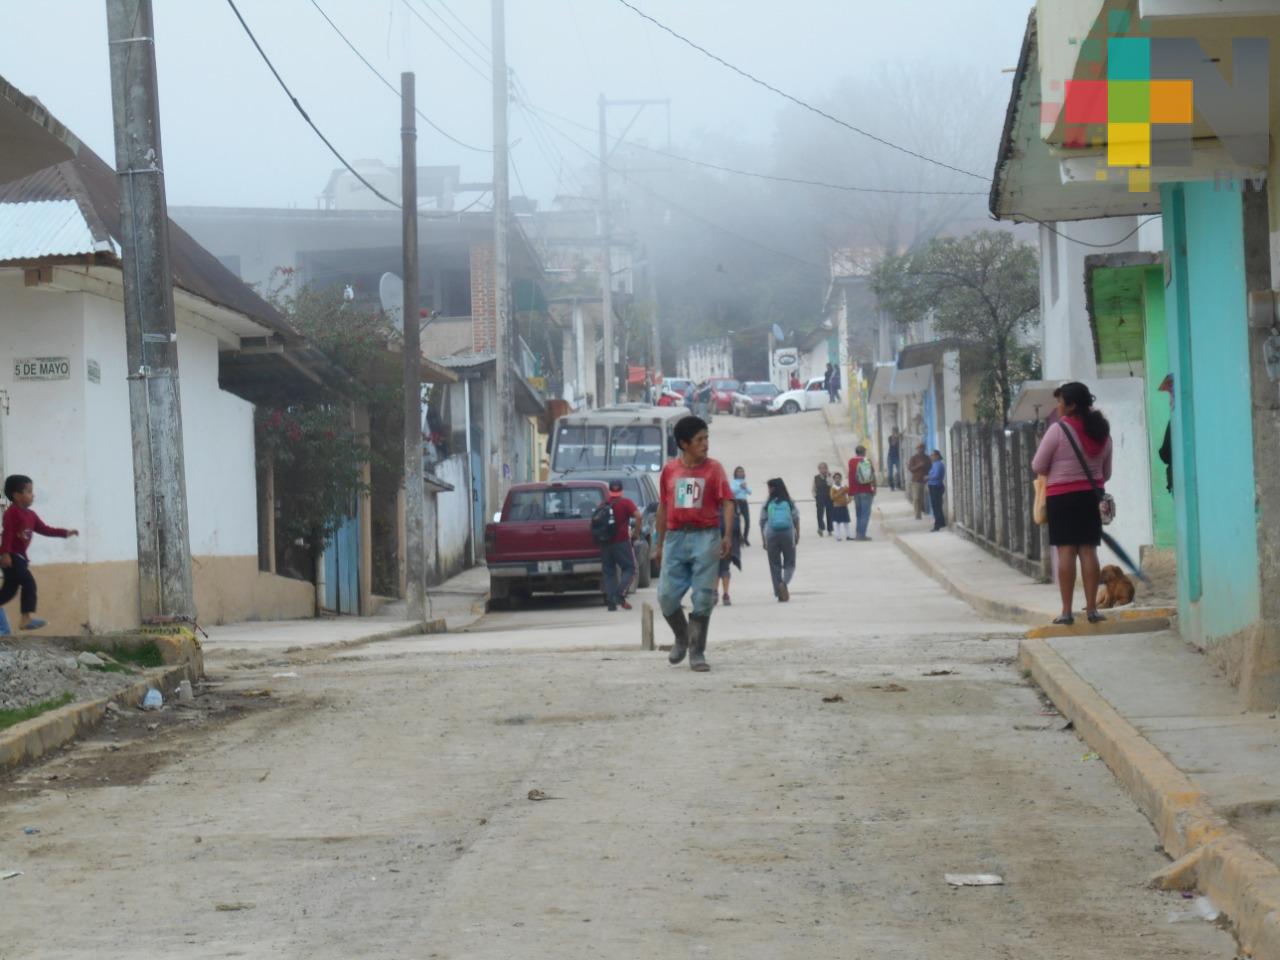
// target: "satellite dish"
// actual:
[[777, 333], [391, 293]]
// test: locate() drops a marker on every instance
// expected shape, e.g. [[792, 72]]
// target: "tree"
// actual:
[[317, 454], [982, 288]]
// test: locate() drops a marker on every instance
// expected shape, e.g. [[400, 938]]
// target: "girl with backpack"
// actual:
[[780, 530], [840, 508]]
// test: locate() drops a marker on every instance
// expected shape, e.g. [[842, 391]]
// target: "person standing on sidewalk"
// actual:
[[895, 460], [780, 528], [695, 529], [862, 484], [740, 493], [833, 385], [618, 556], [1075, 448], [822, 499], [937, 483], [918, 466], [839, 508]]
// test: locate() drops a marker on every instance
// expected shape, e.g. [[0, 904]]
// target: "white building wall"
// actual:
[[705, 359], [1121, 400], [44, 430], [218, 450], [73, 438], [453, 513], [110, 524]]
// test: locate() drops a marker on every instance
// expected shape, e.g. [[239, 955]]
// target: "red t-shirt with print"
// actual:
[[693, 495]]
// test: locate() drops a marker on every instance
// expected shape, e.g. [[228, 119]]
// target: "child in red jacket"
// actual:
[[20, 522]]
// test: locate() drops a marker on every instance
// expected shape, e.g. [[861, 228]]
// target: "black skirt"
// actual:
[[1074, 520]]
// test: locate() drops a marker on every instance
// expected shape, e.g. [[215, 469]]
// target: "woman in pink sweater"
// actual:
[[1075, 523]]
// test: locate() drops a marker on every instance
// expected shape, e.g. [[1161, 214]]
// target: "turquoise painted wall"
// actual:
[[1206, 315], [1156, 363]]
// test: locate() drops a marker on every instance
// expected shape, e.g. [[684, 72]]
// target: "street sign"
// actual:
[[786, 358], [42, 368]]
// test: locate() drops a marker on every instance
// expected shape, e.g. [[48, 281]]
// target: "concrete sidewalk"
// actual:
[[454, 605], [1201, 768], [981, 579]]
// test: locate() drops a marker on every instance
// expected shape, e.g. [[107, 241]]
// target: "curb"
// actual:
[[1208, 853], [1141, 620], [34, 738]]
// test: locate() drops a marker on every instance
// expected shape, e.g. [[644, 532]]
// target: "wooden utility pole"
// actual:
[[609, 392], [415, 551], [151, 339], [504, 332]]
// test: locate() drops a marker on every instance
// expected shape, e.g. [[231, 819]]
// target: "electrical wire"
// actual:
[[482, 57], [796, 100], [680, 208], [441, 37], [298, 106], [390, 86], [484, 46], [778, 178], [1084, 243]]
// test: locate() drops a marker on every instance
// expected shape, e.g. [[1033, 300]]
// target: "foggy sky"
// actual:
[[232, 138]]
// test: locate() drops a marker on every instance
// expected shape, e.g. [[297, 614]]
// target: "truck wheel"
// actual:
[[791, 407]]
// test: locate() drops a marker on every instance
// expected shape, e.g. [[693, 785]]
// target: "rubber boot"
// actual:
[[698, 643], [4, 624], [680, 627]]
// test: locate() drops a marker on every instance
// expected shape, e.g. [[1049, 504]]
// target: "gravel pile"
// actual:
[[31, 672]]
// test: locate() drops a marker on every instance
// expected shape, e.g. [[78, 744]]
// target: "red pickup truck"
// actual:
[[542, 540]]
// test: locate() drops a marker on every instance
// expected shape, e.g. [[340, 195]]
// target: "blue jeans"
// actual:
[[690, 562], [862, 506]]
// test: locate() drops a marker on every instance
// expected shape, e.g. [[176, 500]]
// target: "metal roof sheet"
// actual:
[[44, 228]]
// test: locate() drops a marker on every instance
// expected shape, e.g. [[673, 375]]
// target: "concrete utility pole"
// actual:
[[656, 331], [504, 333], [151, 340], [415, 549], [609, 394]]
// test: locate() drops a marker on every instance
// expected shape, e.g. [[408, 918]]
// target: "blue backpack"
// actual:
[[779, 513]]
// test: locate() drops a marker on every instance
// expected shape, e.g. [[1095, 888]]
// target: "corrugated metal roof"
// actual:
[[460, 361], [45, 228]]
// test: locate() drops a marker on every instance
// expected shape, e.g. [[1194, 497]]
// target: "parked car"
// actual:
[[674, 390], [722, 392], [809, 397], [541, 541], [755, 398], [642, 490]]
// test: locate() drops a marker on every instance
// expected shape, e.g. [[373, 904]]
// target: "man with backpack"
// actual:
[[611, 528], [862, 484]]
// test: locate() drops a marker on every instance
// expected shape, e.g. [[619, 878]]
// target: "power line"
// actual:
[[686, 211], [765, 176], [298, 106], [483, 57], [1085, 243], [392, 87], [796, 100], [441, 37], [449, 10]]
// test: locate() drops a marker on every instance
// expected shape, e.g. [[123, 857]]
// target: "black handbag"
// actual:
[[1106, 502]]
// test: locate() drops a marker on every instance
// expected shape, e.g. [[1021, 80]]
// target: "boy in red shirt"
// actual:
[[20, 522], [694, 507], [862, 490]]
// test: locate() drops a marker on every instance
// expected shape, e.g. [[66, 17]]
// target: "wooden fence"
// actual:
[[992, 494]]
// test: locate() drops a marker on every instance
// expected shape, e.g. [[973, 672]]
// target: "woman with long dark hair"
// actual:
[[780, 532], [1075, 448]]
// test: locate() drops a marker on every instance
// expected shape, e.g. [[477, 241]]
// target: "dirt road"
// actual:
[[377, 805]]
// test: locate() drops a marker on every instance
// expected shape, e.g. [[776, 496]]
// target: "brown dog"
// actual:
[[1116, 589]]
